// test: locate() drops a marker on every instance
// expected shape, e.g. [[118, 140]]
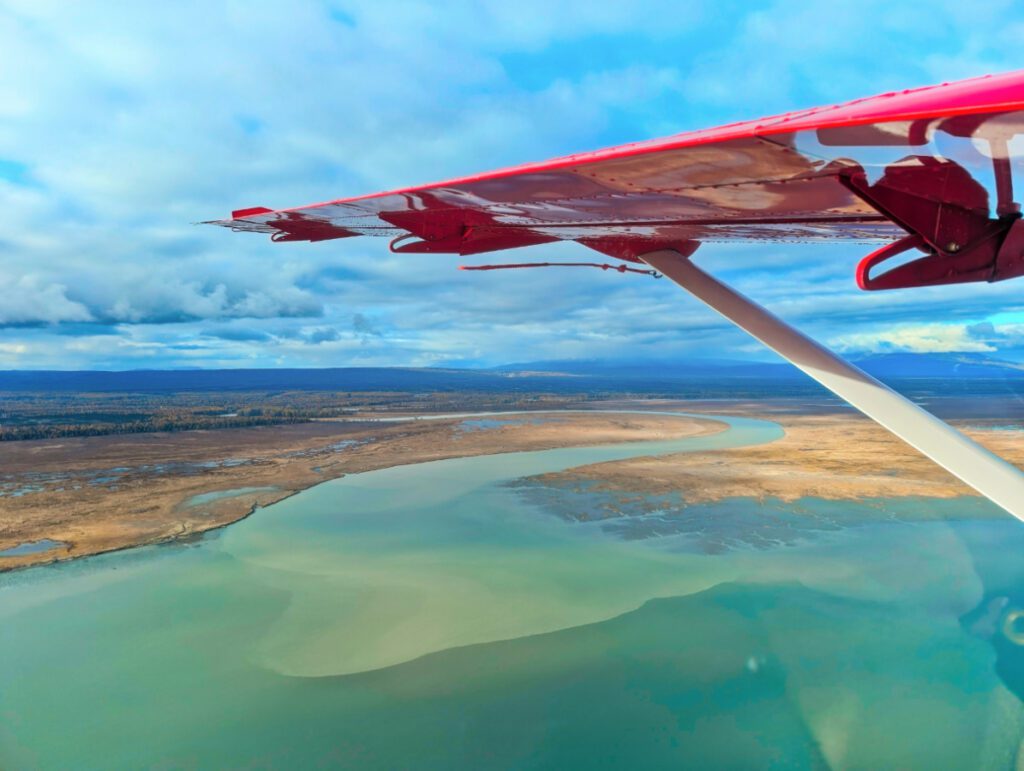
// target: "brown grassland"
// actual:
[[103, 493], [98, 494]]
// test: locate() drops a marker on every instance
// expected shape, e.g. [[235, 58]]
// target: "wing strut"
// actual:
[[997, 480]]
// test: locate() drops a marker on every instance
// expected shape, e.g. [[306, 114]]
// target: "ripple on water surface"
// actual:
[[714, 527]]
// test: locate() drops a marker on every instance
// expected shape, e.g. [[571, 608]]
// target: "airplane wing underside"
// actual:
[[937, 164]]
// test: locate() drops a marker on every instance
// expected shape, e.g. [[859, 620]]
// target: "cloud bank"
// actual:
[[122, 124]]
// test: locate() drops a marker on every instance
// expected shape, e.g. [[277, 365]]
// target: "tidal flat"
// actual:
[[836, 455], [90, 495], [428, 616]]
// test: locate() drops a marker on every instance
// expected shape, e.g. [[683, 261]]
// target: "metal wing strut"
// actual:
[[997, 480]]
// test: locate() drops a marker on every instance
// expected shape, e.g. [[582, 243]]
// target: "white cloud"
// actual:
[[134, 120], [28, 300], [915, 338]]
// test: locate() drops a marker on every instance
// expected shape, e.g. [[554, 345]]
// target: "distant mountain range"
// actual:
[[695, 377], [889, 365]]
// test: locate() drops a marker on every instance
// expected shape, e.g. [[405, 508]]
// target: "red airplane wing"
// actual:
[[933, 167]]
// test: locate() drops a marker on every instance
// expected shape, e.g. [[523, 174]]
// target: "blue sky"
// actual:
[[121, 124]]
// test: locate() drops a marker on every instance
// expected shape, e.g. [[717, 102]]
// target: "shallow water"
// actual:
[[32, 547], [18, 485], [430, 616], [471, 425], [218, 495]]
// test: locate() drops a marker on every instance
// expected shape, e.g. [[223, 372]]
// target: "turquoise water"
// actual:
[[432, 616]]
